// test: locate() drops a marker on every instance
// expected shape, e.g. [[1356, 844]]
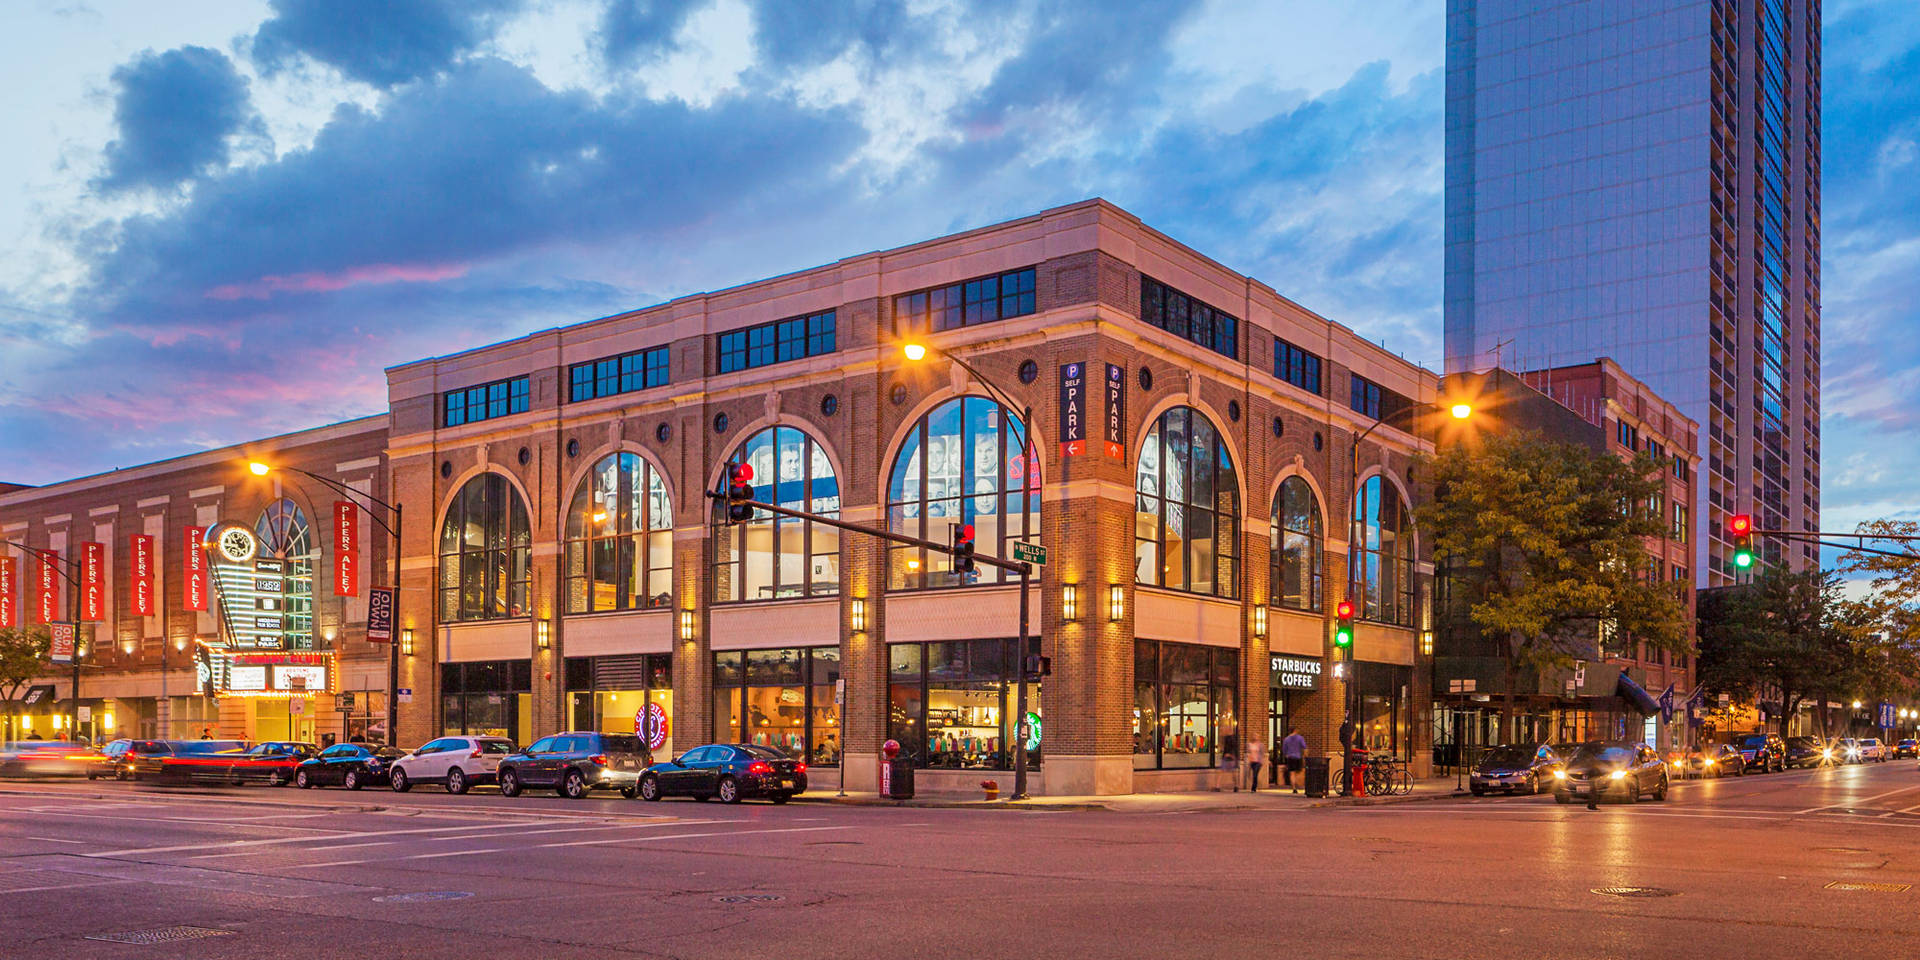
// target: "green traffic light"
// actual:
[[1743, 560], [1343, 637]]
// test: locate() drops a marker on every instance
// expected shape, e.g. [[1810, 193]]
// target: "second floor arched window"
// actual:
[[1297, 546], [620, 538], [286, 535], [486, 552], [776, 558], [1186, 507], [1382, 554], [961, 464]]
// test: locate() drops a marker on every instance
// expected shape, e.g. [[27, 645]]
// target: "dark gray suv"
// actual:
[[575, 763]]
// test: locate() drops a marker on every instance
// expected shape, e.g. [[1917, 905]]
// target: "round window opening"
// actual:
[[829, 405], [719, 423], [1146, 379], [1029, 371], [663, 432]]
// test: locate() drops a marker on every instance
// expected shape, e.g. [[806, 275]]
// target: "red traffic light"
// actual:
[[1344, 610], [1740, 524], [741, 473], [966, 533]]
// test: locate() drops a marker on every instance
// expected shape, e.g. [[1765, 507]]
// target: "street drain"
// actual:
[[743, 898], [161, 935], [1635, 893], [425, 896], [1869, 886]]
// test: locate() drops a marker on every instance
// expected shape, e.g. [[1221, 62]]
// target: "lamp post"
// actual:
[[916, 351], [1458, 411], [73, 604], [261, 469]]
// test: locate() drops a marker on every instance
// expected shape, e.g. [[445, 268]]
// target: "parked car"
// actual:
[[1525, 768], [457, 762], [576, 763], [1908, 748], [181, 761], [1764, 752], [1611, 770], [1871, 750], [1712, 760], [271, 762], [350, 765], [1808, 752], [730, 771], [44, 758]]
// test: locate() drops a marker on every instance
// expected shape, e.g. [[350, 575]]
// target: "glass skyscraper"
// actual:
[[1640, 180]]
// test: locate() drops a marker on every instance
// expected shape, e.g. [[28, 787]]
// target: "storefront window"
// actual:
[[624, 695], [285, 534], [620, 538], [488, 698], [951, 704], [1187, 507], [1297, 547], [1382, 564], [1385, 707], [1183, 697], [769, 558], [961, 464], [782, 699], [486, 550]]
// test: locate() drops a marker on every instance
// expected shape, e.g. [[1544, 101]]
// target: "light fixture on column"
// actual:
[[1260, 620], [686, 625], [1426, 643], [180, 644], [1069, 602], [1116, 602], [127, 647], [543, 632], [406, 641], [856, 615]]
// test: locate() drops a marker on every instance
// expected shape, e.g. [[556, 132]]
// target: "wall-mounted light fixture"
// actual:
[[180, 644], [1426, 643], [1116, 602], [543, 633], [1260, 620], [857, 615], [406, 641], [126, 647], [686, 625], [1069, 602]]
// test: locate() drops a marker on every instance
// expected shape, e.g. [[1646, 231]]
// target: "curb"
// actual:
[[951, 804], [1382, 801]]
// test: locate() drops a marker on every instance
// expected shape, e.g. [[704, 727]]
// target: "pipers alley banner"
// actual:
[[346, 549], [49, 586], [93, 581], [141, 565], [9, 614], [194, 587]]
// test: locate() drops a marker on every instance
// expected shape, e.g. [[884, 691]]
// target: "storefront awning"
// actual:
[[38, 695], [1636, 695]]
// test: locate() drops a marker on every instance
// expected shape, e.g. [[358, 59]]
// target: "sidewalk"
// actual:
[[1267, 799]]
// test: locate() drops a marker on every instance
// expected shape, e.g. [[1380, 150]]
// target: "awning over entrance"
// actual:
[[38, 695], [1636, 695]]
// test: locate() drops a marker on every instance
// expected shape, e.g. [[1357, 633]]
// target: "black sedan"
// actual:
[[350, 765], [1808, 752], [730, 771], [1514, 769], [1611, 770]]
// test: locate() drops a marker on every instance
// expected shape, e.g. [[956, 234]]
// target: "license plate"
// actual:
[[786, 784]]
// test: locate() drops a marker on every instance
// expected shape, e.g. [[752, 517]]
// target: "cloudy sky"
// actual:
[[228, 217]]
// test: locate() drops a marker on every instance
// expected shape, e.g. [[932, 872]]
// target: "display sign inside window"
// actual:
[[300, 677], [1296, 673], [246, 678]]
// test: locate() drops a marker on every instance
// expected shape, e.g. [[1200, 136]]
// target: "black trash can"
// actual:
[[898, 783], [1317, 773]]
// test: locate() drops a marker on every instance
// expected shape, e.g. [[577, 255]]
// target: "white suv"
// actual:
[[458, 762], [1872, 749]]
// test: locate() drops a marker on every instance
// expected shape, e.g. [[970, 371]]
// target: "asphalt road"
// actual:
[[1803, 864]]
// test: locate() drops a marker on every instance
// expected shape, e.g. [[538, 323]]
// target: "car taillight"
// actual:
[[474, 755], [799, 768], [598, 759], [760, 768]]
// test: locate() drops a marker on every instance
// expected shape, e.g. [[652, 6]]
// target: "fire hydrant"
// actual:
[[992, 787]]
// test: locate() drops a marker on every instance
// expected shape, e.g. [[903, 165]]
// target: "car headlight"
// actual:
[[1618, 775], [1710, 761], [1826, 754], [1559, 774]]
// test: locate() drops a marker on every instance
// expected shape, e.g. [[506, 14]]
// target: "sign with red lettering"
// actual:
[[346, 549], [141, 565], [49, 586], [93, 581], [194, 588], [9, 615], [1073, 409]]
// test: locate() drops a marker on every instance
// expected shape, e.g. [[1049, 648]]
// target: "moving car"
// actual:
[[730, 771], [181, 761], [1712, 760], [457, 762], [1526, 768], [108, 761], [44, 758], [351, 765], [1872, 750], [575, 763], [1764, 752], [1611, 770], [1908, 748], [271, 762], [1809, 752]]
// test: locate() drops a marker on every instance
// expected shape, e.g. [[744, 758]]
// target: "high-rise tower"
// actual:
[[1640, 179]]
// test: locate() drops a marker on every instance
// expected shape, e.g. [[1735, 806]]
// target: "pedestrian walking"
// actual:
[[206, 733], [1256, 755], [1293, 752], [1230, 757]]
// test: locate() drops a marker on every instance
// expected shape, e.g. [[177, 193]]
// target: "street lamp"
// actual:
[[917, 351], [261, 468]]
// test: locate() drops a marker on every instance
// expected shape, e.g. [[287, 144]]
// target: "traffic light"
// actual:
[[1740, 526], [963, 548], [1343, 630], [739, 491]]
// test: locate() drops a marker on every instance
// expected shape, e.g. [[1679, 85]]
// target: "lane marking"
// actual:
[[55, 840], [687, 836], [1862, 801], [452, 853], [280, 841]]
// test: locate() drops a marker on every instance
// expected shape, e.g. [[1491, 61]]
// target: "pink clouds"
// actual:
[[375, 274]]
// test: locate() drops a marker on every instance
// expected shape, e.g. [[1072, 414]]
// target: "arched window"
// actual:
[[1187, 507], [1382, 565], [960, 464], [1297, 546], [620, 538], [770, 558], [485, 552], [284, 534]]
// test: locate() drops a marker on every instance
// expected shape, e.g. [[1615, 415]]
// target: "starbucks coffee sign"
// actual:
[[1296, 673]]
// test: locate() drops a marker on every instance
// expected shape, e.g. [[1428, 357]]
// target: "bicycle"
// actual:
[[1387, 775]]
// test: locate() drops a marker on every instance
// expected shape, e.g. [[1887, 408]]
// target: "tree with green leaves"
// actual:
[[23, 656], [1786, 635], [1544, 544]]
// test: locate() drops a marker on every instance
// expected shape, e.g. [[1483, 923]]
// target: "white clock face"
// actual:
[[236, 545]]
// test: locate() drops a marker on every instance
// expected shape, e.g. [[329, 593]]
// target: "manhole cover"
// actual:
[[1869, 886], [161, 935], [425, 896], [1635, 893], [738, 898]]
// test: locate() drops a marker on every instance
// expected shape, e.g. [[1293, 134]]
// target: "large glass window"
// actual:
[[1296, 366], [961, 464], [768, 343], [771, 559], [490, 698], [951, 704], [484, 402], [1187, 507], [620, 538], [1185, 316], [782, 699], [625, 373], [284, 534], [1382, 564], [624, 694], [980, 300], [486, 551], [1183, 696], [1297, 546]]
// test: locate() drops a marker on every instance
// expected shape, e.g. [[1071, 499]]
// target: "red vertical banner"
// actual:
[[9, 614], [93, 581], [346, 549], [193, 588], [141, 565], [49, 586]]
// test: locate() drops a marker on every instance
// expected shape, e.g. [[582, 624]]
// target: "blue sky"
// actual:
[[229, 217]]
